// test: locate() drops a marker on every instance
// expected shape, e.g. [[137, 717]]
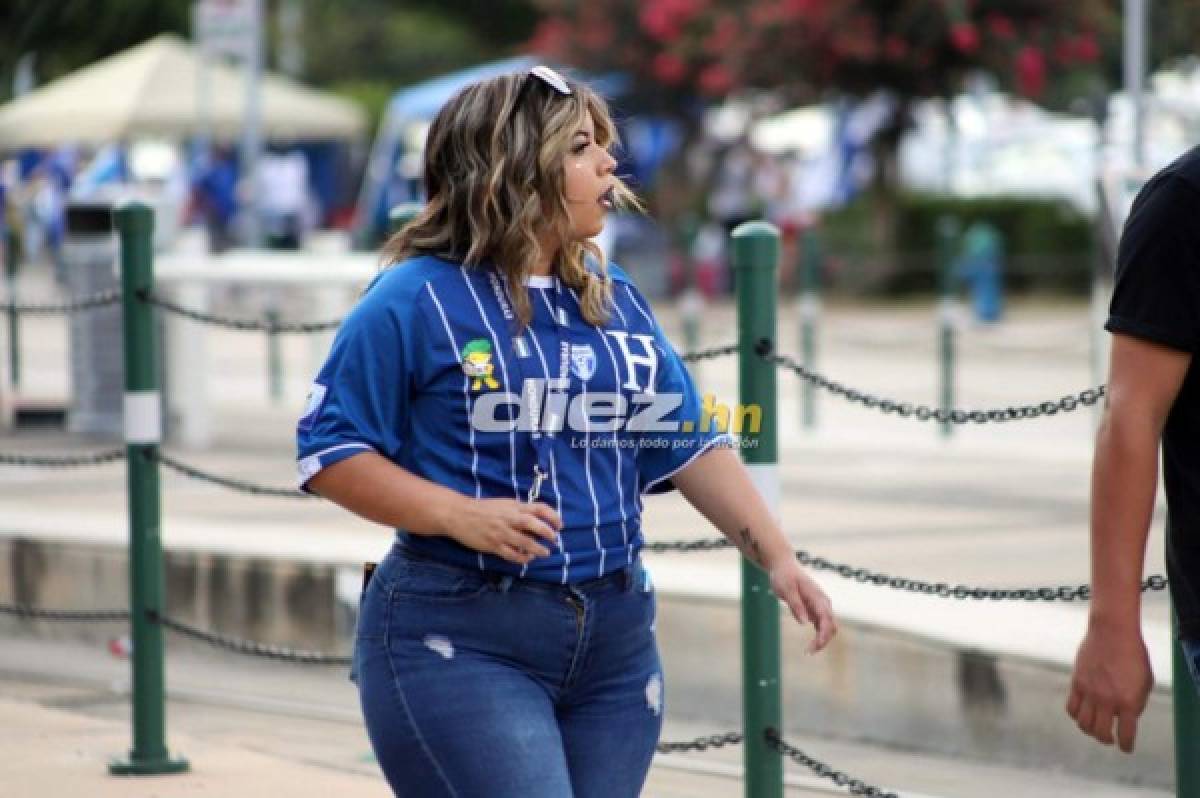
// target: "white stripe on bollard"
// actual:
[[143, 417], [765, 477]]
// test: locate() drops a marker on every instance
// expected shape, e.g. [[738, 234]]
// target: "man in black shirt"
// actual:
[[1153, 395]]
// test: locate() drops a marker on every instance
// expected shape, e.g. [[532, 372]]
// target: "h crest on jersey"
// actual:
[[583, 361]]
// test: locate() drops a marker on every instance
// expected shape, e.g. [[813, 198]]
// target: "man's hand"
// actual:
[[1111, 682], [805, 599]]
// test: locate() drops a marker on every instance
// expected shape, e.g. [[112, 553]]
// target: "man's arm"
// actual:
[[1112, 677]]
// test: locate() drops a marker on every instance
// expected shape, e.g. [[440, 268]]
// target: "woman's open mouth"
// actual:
[[608, 198]]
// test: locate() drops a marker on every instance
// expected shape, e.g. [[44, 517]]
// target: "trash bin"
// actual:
[[94, 336]]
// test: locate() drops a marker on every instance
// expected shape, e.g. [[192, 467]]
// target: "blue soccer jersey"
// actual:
[[430, 371]]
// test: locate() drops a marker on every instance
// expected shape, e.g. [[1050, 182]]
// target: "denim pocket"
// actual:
[[416, 578]]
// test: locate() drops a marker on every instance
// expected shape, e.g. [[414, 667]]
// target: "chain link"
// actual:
[[250, 647], [709, 354], [711, 544], [701, 743], [258, 325], [1066, 404], [38, 614], [66, 461], [855, 786], [962, 592], [241, 486], [97, 300]]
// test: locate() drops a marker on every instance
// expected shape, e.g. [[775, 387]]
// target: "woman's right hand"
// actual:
[[509, 529]]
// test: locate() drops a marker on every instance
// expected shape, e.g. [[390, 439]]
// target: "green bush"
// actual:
[[1046, 244]]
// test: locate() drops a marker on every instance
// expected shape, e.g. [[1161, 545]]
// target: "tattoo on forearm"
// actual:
[[751, 546]]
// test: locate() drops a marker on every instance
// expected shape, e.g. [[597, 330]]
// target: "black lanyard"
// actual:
[[541, 436]]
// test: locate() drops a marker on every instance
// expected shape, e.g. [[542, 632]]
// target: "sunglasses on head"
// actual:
[[546, 76]]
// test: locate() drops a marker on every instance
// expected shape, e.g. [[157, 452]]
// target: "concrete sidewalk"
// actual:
[[249, 727]]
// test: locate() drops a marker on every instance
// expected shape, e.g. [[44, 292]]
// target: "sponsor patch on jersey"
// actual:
[[312, 405], [583, 361], [477, 364]]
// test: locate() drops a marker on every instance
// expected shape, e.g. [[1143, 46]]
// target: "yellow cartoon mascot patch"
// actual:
[[477, 363]]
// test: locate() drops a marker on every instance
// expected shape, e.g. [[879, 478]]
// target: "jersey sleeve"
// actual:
[[359, 401], [1157, 286], [683, 434]]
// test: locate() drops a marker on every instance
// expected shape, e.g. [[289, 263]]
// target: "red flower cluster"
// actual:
[[711, 47]]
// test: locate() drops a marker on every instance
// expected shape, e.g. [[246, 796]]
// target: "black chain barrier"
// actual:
[[97, 300], [855, 786], [239, 485], [711, 544], [701, 743], [938, 589], [709, 354], [1066, 404], [39, 614], [944, 590], [257, 325], [249, 647], [64, 461]]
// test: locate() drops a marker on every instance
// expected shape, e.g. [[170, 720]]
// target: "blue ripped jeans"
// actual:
[[479, 685]]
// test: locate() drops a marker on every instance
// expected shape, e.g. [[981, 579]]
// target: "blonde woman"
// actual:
[[503, 398]]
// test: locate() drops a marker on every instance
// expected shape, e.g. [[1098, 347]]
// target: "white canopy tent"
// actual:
[[154, 90]]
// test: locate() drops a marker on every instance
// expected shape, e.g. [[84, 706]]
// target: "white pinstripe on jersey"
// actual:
[[466, 399], [616, 447]]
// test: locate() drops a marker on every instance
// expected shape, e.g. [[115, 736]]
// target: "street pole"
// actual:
[[810, 317], [755, 262], [143, 434], [948, 313], [1135, 74], [8, 240], [274, 357], [252, 128]]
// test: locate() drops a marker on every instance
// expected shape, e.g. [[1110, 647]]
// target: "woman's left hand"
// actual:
[[805, 599]]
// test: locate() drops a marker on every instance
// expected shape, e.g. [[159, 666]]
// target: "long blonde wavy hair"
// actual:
[[494, 180]]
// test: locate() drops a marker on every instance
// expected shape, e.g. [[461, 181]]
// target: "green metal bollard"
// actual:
[[11, 264], [274, 357], [755, 261], [948, 311], [1187, 722], [691, 310], [810, 316], [143, 433], [402, 214]]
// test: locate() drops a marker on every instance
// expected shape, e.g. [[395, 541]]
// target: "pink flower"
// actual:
[[1001, 26], [550, 37], [965, 37], [724, 34], [1031, 70], [1087, 49], [658, 21], [715, 80], [668, 68]]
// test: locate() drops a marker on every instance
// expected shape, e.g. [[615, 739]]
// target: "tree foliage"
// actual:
[[363, 48], [803, 48]]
